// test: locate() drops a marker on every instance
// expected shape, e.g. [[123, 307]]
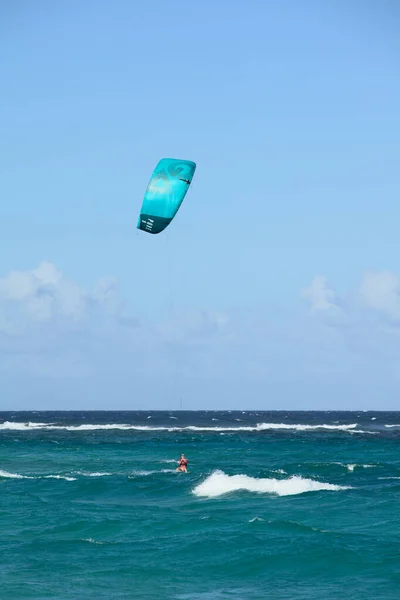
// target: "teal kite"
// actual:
[[165, 192]]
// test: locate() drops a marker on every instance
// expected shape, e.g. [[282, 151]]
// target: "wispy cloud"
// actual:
[[320, 294], [65, 339], [53, 330], [45, 295], [376, 295], [380, 291]]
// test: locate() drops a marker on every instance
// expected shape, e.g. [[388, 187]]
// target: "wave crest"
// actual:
[[219, 483], [30, 426]]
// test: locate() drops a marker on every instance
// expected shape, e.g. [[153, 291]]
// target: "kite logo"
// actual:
[[149, 224]]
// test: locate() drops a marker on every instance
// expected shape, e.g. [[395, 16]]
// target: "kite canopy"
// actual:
[[165, 193]]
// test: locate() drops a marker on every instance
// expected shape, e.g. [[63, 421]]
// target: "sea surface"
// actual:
[[280, 505]]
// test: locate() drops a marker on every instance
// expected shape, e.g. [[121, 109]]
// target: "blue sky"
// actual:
[[278, 283]]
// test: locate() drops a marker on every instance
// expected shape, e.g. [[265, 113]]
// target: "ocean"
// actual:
[[275, 505]]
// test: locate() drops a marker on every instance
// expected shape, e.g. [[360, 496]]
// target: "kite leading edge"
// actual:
[[165, 192]]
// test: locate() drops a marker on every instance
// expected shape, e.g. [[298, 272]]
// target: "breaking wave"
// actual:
[[219, 483], [30, 426]]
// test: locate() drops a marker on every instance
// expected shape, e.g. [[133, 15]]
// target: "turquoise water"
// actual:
[[276, 505]]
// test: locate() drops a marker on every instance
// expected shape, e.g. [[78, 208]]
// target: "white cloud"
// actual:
[[76, 342], [377, 295], [45, 294], [320, 295], [380, 291]]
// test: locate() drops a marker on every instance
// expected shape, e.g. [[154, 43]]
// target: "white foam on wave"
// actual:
[[9, 425], [268, 426], [95, 474], [123, 426], [59, 477], [395, 425], [137, 473], [219, 483], [351, 467], [15, 426], [7, 475], [146, 473]]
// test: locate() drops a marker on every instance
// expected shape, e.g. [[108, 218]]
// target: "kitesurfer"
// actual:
[[183, 463]]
